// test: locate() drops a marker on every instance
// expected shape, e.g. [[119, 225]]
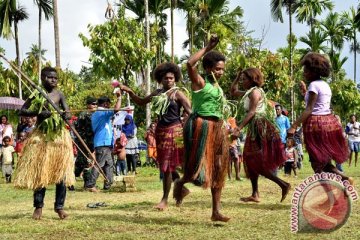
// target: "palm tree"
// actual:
[[203, 15], [315, 40], [44, 6], [156, 9], [33, 57], [11, 14], [334, 28], [7, 7], [350, 33], [357, 18], [276, 12], [19, 15], [307, 10], [56, 34], [172, 7], [336, 64]]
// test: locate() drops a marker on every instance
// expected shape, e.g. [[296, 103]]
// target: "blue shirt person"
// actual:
[[282, 122], [103, 141]]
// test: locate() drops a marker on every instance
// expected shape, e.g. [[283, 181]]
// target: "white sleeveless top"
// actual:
[[261, 107]]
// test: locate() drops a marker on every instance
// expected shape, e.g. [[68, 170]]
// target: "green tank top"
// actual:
[[207, 102]]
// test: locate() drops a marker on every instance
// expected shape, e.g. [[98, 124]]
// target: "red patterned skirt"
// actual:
[[263, 151], [324, 140], [169, 147]]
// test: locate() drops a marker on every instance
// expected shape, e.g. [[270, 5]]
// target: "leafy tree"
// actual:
[[117, 48], [345, 98]]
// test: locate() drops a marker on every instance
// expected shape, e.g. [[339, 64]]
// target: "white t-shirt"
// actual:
[[353, 128], [6, 153]]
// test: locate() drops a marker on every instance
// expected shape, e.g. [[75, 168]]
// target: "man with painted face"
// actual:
[[47, 157]]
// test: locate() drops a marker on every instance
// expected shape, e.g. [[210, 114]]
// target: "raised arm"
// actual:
[[118, 102], [234, 90], [197, 82], [137, 99]]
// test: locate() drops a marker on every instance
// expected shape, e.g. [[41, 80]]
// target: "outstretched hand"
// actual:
[[214, 40], [124, 88]]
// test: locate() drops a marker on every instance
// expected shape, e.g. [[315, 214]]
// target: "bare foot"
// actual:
[[351, 181], [284, 192], [184, 193], [219, 217], [162, 205], [37, 214], [62, 214], [250, 199]]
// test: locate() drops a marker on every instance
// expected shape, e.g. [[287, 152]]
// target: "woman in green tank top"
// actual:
[[205, 142]]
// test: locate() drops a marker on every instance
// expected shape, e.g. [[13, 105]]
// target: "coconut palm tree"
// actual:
[[314, 40], [357, 17], [158, 27], [276, 13], [307, 10], [334, 27], [350, 33], [45, 7], [10, 14], [337, 64], [56, 34], [19, 15], [203, 15], [7, 7]]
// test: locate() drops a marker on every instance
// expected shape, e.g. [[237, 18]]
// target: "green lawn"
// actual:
[[130, 215]]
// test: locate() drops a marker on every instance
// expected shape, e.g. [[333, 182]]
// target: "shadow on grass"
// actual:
[[264, 206], [138, 218]]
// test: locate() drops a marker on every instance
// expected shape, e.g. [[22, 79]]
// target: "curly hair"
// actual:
[[211, 58], [317, 63], [255, 75], [162, 69]]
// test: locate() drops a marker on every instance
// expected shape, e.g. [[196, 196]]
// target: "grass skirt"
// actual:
[[263, 149], [169, 147], [206, 152], [45, 162], [324, 140]]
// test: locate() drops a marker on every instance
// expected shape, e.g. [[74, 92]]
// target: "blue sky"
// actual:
[[75, 15]]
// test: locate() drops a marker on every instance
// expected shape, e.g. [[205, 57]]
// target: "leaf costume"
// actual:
[[48, 152]]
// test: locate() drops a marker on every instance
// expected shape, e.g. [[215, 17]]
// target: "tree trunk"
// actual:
[[56, 34], [172, 29], [18, 62], [39, 36], [147, 29], [355, 51], [292, 97]]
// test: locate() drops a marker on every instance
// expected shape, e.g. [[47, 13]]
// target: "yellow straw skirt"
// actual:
[[45, 162]]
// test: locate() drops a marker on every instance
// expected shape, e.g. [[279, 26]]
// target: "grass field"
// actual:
[[130, 215]]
